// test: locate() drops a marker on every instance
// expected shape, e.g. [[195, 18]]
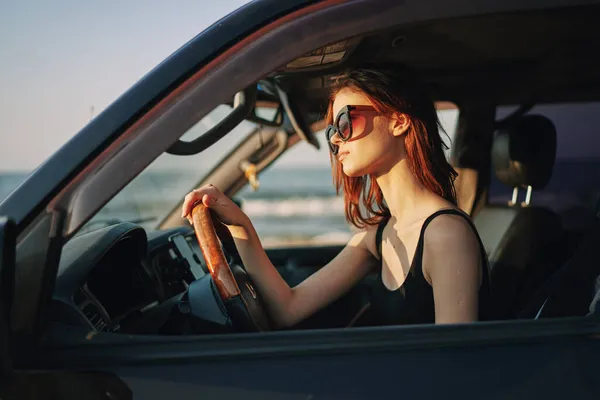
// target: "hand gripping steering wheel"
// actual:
[[240, 298]]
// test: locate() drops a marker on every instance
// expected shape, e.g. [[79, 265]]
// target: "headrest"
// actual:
[[523, 153]]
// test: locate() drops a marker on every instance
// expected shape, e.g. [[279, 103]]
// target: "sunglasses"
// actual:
[[346, 124]]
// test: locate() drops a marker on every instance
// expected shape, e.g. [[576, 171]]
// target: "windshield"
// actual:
[[154, 193]]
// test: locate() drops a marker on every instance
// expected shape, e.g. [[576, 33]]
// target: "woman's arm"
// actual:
[[452, 265], [287, 306]]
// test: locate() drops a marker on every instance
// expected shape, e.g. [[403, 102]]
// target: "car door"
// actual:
[[517, 359]]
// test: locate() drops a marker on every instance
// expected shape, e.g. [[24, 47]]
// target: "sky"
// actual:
[[60, 58], [64, 60]]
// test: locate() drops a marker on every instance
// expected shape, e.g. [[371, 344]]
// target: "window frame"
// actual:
[[94, 184]]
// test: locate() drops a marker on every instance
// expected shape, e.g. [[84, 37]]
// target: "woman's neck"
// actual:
[[402, 191]]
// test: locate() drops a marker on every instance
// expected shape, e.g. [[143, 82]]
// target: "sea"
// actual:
[[299, 204], [291, 204]]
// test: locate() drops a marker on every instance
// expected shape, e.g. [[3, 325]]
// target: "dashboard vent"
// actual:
[[92, 313]]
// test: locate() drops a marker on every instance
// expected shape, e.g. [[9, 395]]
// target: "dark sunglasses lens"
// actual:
[[329, 132], [344, 127], [333, 148]]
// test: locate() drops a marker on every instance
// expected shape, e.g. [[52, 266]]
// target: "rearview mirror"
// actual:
[[267, 110]]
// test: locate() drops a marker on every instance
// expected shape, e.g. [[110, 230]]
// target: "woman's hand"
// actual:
[[227, 211]]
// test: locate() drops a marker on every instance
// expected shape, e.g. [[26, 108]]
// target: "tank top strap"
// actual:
[[420, 244]]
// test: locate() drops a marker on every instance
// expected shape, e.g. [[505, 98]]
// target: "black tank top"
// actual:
[[412, 303]]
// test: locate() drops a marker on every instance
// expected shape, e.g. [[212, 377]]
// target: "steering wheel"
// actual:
[[241, 300]]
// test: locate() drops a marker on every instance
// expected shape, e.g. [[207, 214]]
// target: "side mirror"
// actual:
[[8, 244]]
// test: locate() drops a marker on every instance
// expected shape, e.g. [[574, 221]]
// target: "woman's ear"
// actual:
[[400, 124]]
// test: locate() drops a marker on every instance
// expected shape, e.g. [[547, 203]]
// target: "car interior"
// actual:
[[126, 279]]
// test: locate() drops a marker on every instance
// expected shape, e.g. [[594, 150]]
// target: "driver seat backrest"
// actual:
[[573, 290], [522, 240]]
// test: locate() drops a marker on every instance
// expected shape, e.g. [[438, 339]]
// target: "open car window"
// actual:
[[574, 187], [296, 204], [162, 185]]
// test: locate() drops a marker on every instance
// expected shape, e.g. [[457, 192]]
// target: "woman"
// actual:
[[388, 159]]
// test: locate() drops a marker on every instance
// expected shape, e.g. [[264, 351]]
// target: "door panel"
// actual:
[[67, 386], [452, 364], [527, 371]]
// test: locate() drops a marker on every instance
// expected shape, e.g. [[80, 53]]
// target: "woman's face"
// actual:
[[377, 141]]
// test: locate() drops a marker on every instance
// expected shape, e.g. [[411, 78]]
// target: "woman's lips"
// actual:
[[342, 155]]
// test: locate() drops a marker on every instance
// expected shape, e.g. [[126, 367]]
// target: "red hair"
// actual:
[[393, 89]]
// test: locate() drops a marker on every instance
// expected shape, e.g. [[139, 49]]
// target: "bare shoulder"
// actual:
[[452, 266], [450, 241], [447, 231]]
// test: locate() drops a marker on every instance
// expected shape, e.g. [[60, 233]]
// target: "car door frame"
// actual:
[[58, 208]]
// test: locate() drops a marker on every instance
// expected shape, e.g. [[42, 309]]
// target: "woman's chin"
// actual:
[[352, 171]]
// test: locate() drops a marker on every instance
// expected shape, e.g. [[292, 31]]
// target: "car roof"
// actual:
[[542, 56]]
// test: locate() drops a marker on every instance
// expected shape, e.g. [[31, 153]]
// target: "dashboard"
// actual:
[[123, 279], [114, 279]]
